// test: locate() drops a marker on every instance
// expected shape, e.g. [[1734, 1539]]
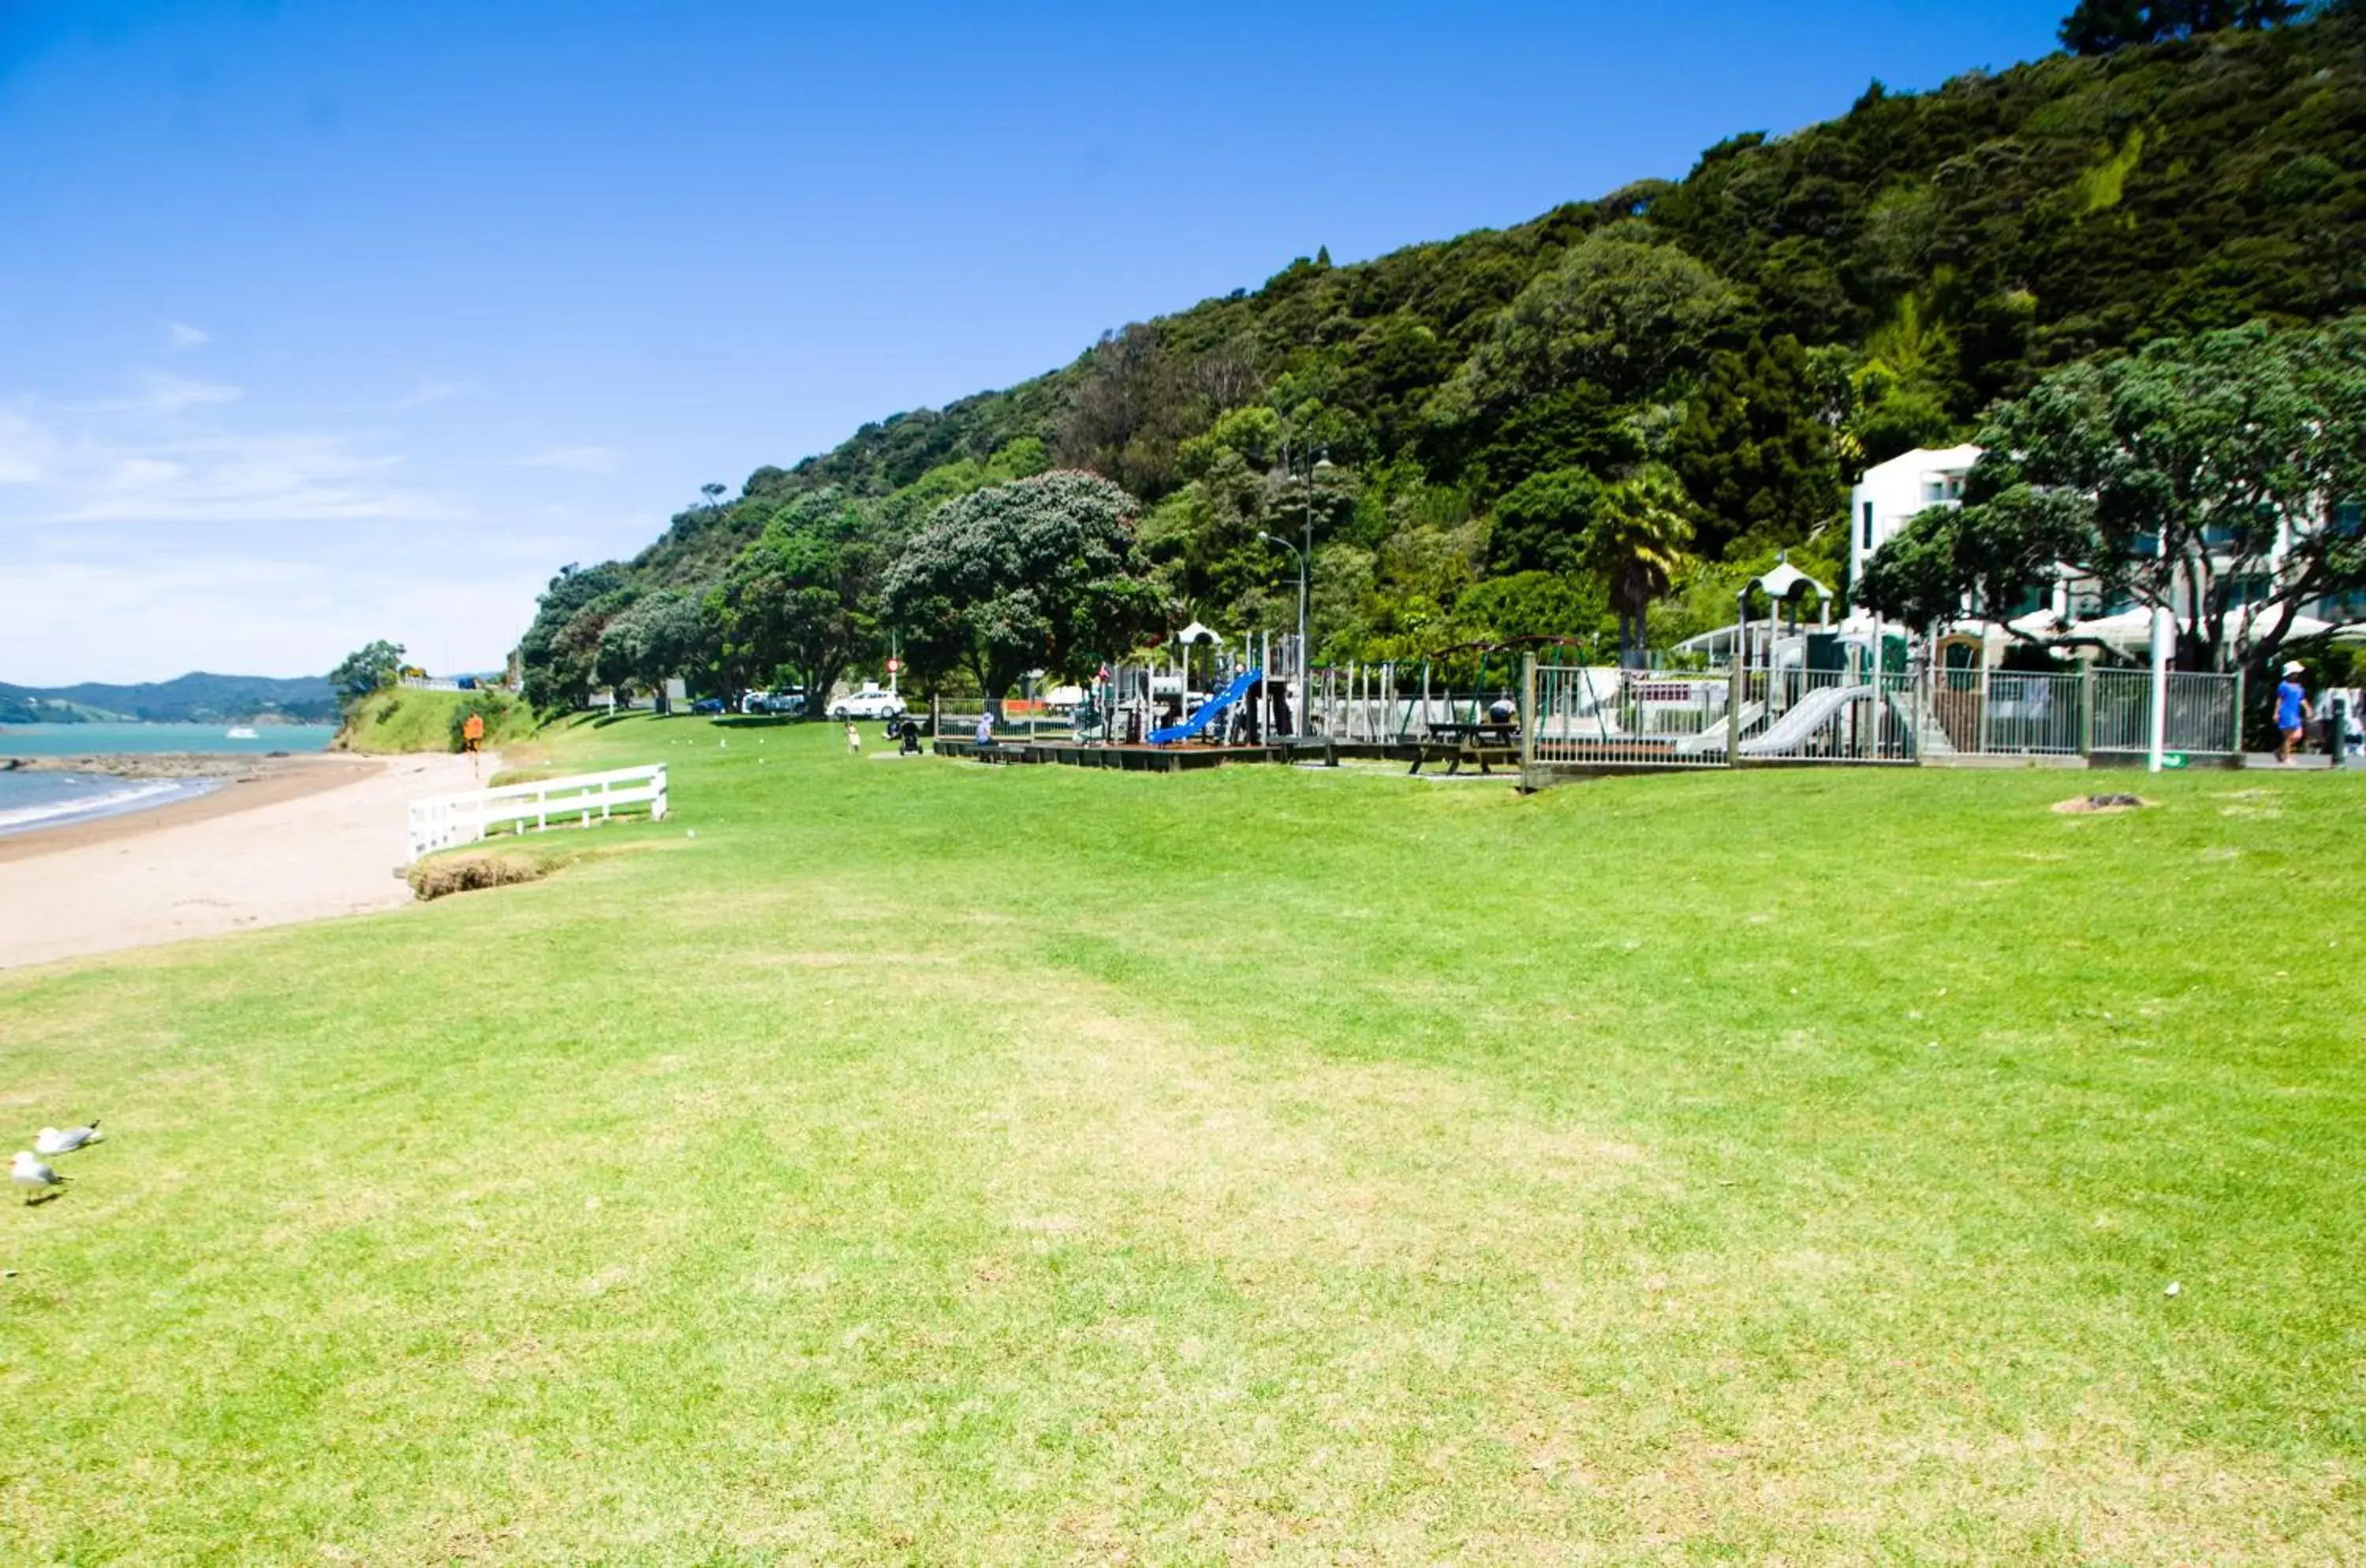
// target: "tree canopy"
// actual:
[[2205, 476], [1037, 573], [366, 669]]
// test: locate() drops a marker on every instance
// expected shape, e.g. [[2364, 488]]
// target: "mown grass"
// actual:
[[413, 718], [936, 1163]]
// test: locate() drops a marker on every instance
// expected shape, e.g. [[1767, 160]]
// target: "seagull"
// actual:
[[54, 1142], [33, 1175]]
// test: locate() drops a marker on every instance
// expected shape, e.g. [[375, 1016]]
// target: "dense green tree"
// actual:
[[1985, 557], [802, 597], [1541, 524], [2098, 27], [2202, 476], [1530, 605], [366, 669], [560, 651], [1755, 453], [1623, 310], [659, 635], [1039, 573]]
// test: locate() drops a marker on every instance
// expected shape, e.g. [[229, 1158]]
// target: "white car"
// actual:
[[868, 704]]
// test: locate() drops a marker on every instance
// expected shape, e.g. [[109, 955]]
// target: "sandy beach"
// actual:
[[290, 839]]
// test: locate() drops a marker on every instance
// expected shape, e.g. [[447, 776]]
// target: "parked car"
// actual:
[[789, 705], [868, 704], [707, 705]]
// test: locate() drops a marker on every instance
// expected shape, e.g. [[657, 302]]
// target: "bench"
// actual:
[[1484, 743]]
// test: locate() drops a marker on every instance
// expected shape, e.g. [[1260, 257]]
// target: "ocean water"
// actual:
[[113, 739], [29, 800]]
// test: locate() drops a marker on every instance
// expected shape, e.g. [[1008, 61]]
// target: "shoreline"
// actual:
[[247, 783], [151, 764], [283, 840]]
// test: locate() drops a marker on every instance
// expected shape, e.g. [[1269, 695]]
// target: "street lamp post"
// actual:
[[1305, 554], [1293, 550]]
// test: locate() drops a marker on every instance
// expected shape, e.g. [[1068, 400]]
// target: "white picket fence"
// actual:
[[449, 819]]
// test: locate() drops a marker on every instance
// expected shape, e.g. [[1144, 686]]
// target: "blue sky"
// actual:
[[321, 322]]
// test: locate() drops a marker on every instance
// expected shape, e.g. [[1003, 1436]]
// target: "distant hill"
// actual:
[[197, 697]]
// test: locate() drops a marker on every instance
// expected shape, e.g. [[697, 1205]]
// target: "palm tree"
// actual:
[[1636, 541]]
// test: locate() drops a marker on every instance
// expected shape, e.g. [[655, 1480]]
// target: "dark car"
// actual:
[[707, 705]]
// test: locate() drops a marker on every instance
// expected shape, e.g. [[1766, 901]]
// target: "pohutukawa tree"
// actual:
[[802, 595], [2215, 477], [1037, 574], [366, 669], [658, 637]]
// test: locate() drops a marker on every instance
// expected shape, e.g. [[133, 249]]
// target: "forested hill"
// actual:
[[196, 697], [1794, 308]]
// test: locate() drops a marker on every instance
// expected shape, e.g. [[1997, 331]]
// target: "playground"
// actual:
[[1784, 685]]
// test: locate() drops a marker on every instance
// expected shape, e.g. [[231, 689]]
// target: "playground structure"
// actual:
[[1786, 688]]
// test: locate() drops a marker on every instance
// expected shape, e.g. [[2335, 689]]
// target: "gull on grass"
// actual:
[[32, 1176], [64, 1141]]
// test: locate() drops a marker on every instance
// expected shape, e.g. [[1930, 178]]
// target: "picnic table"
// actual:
[[1484, 742]]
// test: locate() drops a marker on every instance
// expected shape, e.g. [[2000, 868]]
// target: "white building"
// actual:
[[1889, 495]]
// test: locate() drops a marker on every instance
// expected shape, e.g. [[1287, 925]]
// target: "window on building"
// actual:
[[1869, 526], [2250, 588], [2341, 608]]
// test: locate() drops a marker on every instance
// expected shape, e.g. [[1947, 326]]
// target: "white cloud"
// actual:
[[27, 450], [55, 478], [430, 390], [180, 335], [161, 391], [580, 459], [162, 617]]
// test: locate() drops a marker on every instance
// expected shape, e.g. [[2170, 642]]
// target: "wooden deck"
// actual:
[[1133, 759]]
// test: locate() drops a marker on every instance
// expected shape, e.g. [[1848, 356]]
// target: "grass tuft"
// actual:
[[442, 875]]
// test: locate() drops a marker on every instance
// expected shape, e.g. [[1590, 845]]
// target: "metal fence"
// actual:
[[1630, 719], [2204, 717], [2002, 713]]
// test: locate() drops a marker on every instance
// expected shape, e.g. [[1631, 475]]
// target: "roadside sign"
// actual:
[[2172, 759], [894, 665]]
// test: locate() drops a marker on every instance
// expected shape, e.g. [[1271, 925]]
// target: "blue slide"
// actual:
[[1209, 711]]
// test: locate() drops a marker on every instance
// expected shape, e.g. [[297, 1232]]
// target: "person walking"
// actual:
[[2292, 711], [853, 740]]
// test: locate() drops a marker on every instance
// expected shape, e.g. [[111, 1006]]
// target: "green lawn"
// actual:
[[944, 1164]]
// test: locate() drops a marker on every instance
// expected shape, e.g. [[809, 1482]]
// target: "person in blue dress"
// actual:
[[2292, 709]]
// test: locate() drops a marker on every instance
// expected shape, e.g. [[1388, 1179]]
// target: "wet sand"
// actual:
[[261, 782], [285, 839]]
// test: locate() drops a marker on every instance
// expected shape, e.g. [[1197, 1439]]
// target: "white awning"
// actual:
[[2133, 628]]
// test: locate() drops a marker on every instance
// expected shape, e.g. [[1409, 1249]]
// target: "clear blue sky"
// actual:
[[326, 321]]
